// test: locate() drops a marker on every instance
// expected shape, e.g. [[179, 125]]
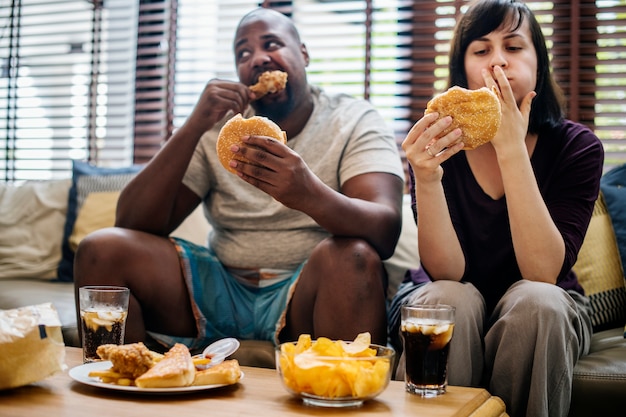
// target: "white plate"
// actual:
[[81, 374]]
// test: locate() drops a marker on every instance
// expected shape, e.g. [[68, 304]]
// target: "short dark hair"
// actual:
[[265, 12], [485, 16]]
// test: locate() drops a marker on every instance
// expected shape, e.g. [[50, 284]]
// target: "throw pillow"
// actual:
[[86, 179], [599, 271], [97, 212], [31, 220], [613, 186]]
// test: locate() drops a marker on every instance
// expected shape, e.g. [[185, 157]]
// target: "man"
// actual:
[[298, 235]]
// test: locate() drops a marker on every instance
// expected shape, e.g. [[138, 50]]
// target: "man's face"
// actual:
[[267, 43]]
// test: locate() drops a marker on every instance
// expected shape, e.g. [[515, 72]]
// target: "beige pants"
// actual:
[[525, 352]]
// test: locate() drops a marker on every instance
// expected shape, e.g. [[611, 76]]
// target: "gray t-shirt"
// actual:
[[343, 138]]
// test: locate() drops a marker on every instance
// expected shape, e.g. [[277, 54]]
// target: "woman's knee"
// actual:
[[540, 297], [453, 293]]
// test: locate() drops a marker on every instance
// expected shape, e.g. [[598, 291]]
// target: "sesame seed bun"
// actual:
[[237, 127], [476, 112]]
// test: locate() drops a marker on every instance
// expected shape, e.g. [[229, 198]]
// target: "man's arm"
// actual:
[[369, 206], [156, 201]]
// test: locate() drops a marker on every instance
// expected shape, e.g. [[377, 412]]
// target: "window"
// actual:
[[394, 53], [356, 47], [66, 85], [587, 41], [109, 80]]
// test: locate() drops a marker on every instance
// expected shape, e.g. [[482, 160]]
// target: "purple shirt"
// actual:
[[567, 162]]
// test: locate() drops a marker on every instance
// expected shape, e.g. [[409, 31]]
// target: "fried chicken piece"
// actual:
[[269, 82], [133, 359]]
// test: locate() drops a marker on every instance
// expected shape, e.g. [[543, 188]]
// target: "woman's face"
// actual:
[[513, 51]]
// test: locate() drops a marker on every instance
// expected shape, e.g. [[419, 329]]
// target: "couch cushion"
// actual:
[[613, 186], [600, 377], [31, 219], [87, 179], [599, 271], [406, 255], [97, 212]]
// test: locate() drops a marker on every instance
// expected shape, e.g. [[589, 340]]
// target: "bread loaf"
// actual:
[[225, 373], [176, 369]]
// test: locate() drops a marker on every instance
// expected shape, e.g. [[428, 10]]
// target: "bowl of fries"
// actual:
[[327, 373]]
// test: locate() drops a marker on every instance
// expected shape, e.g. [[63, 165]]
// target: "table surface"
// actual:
[[258, 394]]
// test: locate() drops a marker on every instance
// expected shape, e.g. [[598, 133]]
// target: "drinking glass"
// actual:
[[103, 311], [426, 333]]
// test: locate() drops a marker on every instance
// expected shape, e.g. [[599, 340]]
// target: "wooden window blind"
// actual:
[[587, 42], [356, 47], [67, 69], [109, 81]]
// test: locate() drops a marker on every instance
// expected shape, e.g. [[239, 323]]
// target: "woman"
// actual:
[[500, 226]]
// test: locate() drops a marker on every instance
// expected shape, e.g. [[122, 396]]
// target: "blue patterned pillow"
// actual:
[[613, 185], [87, 178]]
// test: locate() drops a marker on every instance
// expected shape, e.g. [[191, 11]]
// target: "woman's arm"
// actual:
[[538, 244], [439, 247]]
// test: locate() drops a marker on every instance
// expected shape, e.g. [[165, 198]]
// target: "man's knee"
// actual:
[[101, 251], [349, 253], [102, 243], [342, 265]]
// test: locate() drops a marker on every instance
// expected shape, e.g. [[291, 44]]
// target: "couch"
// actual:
[[42, 221]]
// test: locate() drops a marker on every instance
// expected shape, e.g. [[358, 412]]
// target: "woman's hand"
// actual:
[[515, 116], [439, 248], [425, 150]]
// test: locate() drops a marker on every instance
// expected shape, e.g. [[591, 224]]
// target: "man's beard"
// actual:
[[275, 111]]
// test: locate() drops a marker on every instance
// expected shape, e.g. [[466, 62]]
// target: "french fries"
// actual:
[[108, 376]]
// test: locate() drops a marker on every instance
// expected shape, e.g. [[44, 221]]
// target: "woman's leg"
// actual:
[[532, 347]]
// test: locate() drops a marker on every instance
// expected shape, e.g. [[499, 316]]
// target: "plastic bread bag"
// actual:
[[31, 345]]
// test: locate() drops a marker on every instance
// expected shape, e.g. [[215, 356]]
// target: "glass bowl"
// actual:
[[333, 381]]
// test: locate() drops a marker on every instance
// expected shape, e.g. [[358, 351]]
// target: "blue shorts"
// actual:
[[225, 306]]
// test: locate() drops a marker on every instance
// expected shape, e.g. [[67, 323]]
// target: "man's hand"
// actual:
[[218, 98], [277, 170]]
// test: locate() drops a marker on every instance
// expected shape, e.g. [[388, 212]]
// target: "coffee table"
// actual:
[[258, 394]]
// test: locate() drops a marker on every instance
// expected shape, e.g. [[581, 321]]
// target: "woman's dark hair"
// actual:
[[485, 16]]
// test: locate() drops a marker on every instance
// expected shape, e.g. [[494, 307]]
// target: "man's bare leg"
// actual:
[[150, 267], [340, 293]]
